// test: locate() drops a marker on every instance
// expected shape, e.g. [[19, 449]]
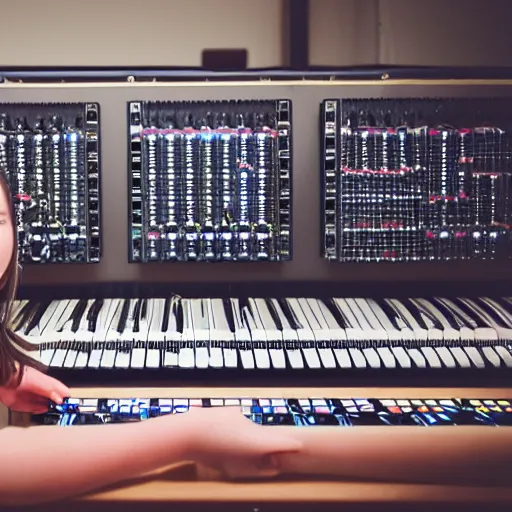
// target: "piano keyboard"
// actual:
[[312, 334], [302, 412]]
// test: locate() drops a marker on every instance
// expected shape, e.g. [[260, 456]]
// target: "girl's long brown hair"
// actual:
[[12, 359]]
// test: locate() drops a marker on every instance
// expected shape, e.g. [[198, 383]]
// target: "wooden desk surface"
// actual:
[[181, 485]]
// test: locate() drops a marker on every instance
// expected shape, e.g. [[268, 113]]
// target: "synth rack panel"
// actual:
[[210, 181], [299, 412], [50, 153], [409, 180]]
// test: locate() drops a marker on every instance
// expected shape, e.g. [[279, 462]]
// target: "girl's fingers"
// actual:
[[45, 386]]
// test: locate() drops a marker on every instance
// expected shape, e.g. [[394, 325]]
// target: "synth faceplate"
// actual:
[[210, 181], [300, 412], [51, 156], [416, 179]]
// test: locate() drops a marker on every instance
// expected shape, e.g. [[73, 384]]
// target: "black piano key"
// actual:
[[94, 314], [78, 314], [477, 319], [36, 318]]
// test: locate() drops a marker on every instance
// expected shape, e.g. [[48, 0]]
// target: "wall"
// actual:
[[449, 33], [343, 32], [174, 32], [4, 416], [401, 32], [130, 32]]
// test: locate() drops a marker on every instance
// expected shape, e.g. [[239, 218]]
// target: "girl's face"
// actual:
[[6, 234]]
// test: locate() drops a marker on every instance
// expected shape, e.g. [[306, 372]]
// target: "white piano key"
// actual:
[[483, 334], [320, 330], [157, 319], [138, 360], [82, 359], [103, 323], [201, 332], [435, 335], [419, 356], [394, 335], [500, 311], [338, 335], [357, 334], [64, 334], [349, 333], [187, 356], [258, 335], [450, 335], [220, 332], [505, 355], [242, 336], [261, 355], [475, 356], [272, 333], [81, 337], [467, 334], [152, 358], [123, 358], [357, 357], [432, 357], [70, 360], [304, 334], [46, 356], [140, 350], [216, 356], [492, 356], [108, 357], [294, 356], [461, 357], [230, 358], [65, 338], [95, 358], [58, 358], [379, 334], [171, 360], [50, 314], [47, 328], [503, 332], [17, 306], [172, 336]]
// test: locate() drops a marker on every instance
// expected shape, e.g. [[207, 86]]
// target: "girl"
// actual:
[[35, 463]]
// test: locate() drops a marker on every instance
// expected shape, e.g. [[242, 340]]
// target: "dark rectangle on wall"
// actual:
[[408, 180], [296, 34], [224, 60], [210, 181], [50, 154]]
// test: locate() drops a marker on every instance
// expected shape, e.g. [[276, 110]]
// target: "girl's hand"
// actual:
[[223, 439], [33, 393]]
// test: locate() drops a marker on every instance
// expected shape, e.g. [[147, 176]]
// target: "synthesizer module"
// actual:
[[50, 156], [210, 181]]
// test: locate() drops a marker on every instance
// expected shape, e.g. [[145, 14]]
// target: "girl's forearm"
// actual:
[[469, 455], [51, 463]]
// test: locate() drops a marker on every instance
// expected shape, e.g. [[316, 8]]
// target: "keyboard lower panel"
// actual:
[[429, 377]]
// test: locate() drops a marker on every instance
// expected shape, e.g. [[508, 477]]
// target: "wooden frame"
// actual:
[[180, 484]]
